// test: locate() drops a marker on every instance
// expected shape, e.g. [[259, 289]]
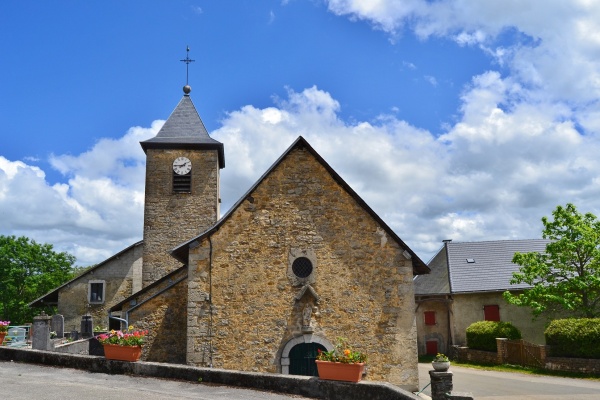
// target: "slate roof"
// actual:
[[185, 130], [181, 252], [472, 267]]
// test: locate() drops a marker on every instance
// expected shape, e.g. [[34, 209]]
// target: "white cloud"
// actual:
[[96, 212]]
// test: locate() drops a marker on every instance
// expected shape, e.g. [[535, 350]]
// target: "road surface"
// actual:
[[20, 381], [492, 385]]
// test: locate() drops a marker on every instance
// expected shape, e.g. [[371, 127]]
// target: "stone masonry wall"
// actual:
[[172, 218], [363, 281], [162, 310], [118, 275]]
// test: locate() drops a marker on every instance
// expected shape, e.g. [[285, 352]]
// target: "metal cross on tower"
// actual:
[[187, 62]]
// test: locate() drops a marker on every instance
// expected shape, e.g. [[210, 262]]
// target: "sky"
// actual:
[[463, 120]]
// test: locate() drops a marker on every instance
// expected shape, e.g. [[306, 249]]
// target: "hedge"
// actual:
[[482, 335], [574, 337]]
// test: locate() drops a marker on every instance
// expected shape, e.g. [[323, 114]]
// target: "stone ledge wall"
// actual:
[[289, 384]]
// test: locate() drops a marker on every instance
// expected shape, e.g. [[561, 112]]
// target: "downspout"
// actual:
[[450, 297], [119, 319], [210, 305]]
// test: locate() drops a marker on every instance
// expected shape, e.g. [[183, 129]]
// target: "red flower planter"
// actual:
[[2, 335], [122, 353], [336, 371]]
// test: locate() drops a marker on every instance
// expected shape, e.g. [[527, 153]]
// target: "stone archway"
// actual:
[[307, 338]]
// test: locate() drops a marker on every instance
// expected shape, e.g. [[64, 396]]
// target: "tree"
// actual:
[[567, 276], [28, 270]]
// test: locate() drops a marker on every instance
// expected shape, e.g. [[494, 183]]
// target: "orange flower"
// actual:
[[346, 352]]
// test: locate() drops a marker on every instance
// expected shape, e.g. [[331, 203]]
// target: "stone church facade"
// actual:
[[297, 262]]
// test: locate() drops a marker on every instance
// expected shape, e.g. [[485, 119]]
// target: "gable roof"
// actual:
[[168, 277], [481, 266], [181, 252], [185, 130], [51, 298]]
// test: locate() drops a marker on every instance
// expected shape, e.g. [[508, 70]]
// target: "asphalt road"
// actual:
[[492, 385], [28, 381]]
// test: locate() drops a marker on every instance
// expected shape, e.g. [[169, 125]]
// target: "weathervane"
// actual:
[[187, 89]]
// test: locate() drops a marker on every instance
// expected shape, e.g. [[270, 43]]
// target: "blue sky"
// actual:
[[466, 120]]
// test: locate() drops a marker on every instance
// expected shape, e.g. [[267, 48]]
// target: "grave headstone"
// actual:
[[58, 325], [87, 326], [41, 332]]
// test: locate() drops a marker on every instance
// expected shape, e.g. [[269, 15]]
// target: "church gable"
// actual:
[[299, 255]]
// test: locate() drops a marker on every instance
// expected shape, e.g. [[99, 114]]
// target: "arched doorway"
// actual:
[[302, 359], [285, 360]]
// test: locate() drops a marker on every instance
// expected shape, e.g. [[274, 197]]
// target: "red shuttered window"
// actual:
[[491, 313]]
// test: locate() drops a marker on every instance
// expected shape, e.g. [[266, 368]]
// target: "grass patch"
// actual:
[[516, 368]]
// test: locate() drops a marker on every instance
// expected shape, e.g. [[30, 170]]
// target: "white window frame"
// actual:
[[101, 301]]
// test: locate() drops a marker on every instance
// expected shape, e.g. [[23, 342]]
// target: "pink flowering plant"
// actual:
[[130, 337], [4, 326]]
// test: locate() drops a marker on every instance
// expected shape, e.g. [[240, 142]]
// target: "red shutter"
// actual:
[[491, 313], [431, 347], [429, 317]]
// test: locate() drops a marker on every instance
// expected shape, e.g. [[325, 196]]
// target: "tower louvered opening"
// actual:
[[182, 183]]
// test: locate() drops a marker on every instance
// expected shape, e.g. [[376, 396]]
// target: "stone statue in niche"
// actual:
[[306, 315]]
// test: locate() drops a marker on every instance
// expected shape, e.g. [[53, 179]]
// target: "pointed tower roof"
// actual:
[[185, 130]]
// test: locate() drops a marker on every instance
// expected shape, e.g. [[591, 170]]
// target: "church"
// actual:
[[299, 261]]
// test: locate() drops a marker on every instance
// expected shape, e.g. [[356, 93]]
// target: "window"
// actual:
[[96, 292], [491, 313], [429, 317], [302, 267]]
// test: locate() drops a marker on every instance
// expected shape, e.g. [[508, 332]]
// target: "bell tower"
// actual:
[[182, 198]]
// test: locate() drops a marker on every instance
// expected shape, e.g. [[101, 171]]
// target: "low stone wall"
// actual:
[[464, 354], [290, 384], [76, 347], [582, 365], [567, 364]]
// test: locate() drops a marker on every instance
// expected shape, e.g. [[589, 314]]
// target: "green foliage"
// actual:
[[567, 275], [574, 337], [29, 270], [342, 353], [482, 335]]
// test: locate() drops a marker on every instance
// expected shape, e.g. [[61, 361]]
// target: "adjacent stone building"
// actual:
[[465, 285], [98, 289], [297, 262]]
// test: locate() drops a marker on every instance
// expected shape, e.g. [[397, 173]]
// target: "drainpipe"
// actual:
[[119, 319], [210, 306]]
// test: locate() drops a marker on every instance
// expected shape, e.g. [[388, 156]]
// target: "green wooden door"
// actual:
[[302, 359]]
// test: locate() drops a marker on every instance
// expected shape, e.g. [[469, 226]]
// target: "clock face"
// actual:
[[182, 165]]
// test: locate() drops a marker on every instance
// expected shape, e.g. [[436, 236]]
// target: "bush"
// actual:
[[574, 337], [482, 335]]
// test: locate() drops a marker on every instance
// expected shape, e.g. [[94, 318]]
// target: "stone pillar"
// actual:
[[441, 384], [58, 325], [501, 345], [41, 332]]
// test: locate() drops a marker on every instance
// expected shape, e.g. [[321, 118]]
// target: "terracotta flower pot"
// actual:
[[336, 371], [122, 353], [2, 336]]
